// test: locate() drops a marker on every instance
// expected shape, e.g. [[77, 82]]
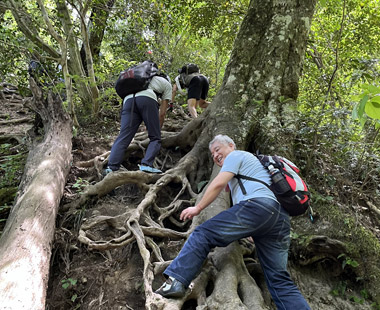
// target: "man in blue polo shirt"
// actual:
[[256, 214]]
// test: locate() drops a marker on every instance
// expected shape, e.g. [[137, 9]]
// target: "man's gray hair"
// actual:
[[223, 139]]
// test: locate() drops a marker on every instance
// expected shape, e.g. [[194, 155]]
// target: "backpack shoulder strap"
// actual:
[[245, 177]]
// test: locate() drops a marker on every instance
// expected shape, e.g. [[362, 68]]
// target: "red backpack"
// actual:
[[290, 189]]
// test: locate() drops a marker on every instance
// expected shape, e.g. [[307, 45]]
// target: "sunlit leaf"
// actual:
[[354, 114], [372, 109], [376, 99], [362, 105], [373, 89]]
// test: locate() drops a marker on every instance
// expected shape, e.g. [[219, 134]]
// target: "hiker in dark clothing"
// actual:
[[197, 88]]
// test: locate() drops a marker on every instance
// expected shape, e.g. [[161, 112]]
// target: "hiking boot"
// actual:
[[107, 171], [171, 288], [149, 169]]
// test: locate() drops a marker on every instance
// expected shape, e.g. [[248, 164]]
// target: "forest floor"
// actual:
[[82, 278]]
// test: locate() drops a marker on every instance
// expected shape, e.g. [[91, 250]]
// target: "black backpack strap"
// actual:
[[132, 108], [240, 176]]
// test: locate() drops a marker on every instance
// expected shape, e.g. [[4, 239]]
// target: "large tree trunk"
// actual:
[[257, 101], [25, 246], [97, 26], [255, 104]]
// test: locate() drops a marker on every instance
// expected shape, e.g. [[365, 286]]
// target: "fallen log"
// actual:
[[25, 245]]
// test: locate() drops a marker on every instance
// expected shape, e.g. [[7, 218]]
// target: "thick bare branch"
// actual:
[[49, 24], [29, 31]]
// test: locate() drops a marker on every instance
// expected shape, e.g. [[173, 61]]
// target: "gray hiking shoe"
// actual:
[[171, 288]]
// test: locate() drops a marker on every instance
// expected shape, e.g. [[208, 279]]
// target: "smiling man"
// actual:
[[256, 214]]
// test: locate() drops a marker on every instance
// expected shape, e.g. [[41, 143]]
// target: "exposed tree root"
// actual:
[[241, 292], [10, 138], [320, 249], [224, 279], [17, 121], [373, 208], [317, 248], [136, 224], [93, 162]]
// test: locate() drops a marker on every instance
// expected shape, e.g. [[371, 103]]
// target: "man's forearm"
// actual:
[[163, 107], [214, 189], [209, 196], [174, 92]]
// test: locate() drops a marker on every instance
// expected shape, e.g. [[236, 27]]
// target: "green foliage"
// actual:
[[14, 48], [347, 261], [80, 184], [375, 306], [341, 62], [301, 239], [68, 283], [340, 289], [169, 32], [359, 242], [12, 163], [368, 105]]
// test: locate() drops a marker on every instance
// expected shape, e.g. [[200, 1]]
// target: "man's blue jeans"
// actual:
[[269, 225]]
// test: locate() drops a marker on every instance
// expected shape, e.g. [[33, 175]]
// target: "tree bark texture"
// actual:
[[257, 101], [97, 25], [25, 246], [233, 287]]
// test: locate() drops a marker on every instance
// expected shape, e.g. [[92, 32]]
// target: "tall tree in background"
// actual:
[[61, 42], [97, 24]]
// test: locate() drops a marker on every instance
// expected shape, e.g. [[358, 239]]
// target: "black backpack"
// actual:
[[290, 189], [189, 69], [136, 78]]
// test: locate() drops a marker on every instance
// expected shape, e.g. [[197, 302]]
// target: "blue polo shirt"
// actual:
[[245, 163]]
